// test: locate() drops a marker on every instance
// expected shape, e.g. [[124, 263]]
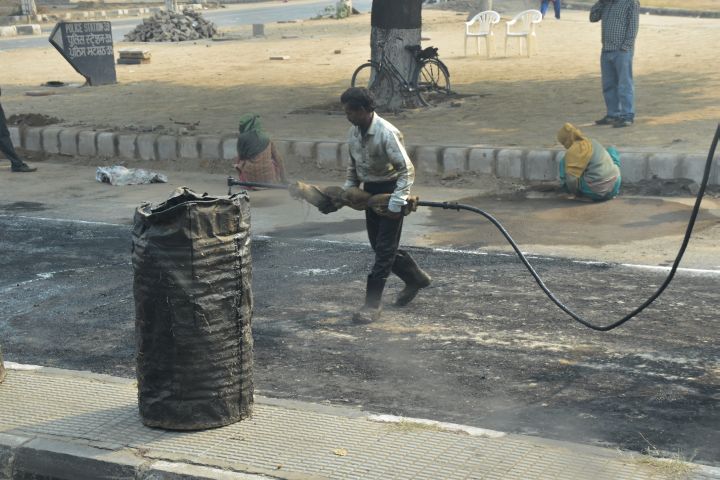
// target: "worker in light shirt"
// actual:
[[379, 162]]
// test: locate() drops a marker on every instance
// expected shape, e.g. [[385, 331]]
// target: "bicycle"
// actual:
[[433, 76], [430, 76]]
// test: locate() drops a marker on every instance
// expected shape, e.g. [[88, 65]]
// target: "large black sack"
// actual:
[[193, 310]]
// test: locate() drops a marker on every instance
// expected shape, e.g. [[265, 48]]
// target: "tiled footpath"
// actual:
[[512, 163], [61, 424]]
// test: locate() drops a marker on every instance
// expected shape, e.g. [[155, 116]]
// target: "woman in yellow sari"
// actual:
[[588, 169]]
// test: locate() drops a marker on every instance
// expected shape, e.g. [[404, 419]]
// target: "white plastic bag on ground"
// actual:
[[119, 175]]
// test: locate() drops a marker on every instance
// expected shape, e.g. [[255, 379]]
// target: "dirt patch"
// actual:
[[676, 187], [612, 220], [209, 83], [32, 120], [16, 207]]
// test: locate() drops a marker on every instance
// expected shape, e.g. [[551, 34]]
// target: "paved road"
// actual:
[[482, 347], [234, 15]]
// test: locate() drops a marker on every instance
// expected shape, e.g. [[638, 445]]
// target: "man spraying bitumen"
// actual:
[[379, 162]]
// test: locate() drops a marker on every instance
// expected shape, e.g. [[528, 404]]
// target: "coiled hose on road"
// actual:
[[535, 275]]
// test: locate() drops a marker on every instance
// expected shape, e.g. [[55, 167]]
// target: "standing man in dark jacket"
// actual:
[[620, 21], [7, 148], [379, 161]]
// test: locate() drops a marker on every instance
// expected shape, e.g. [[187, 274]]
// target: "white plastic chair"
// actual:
[[523, 27], [481, 26]]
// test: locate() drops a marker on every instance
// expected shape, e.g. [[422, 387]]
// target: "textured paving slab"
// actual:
[[295, 440]]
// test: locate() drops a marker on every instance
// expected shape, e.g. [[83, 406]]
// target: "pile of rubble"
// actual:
[[172, 27]]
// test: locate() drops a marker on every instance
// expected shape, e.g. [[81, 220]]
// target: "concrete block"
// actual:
[[663, 165], [164, 470], [426, 159], [541, 165], [107, 144], [68, 141], [633, 166], [15, 136], [282, 147], [482, 160], [42, 458], [454, 160], [146, 146], [344, 154], [410, 150], [304, 150], [50, 139], [32, 139], [693, 167], [167, 147], [210, 148], [189, 147], [127, 146], [510, 163], [8, 31], [327, 154], [229, 148], [87, 143], [31, 29], [8, 445]]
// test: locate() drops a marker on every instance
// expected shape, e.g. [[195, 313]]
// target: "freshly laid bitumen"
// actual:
[[63, 424]]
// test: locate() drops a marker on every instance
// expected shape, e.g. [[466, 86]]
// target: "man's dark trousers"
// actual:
[[383, 233], [6, 145]]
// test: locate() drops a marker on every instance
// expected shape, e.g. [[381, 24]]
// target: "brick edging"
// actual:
[[503, 162]]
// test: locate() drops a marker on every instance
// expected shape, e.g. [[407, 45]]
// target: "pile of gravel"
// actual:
[[172, 27]]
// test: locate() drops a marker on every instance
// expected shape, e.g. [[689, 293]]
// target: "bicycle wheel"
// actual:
[[434, 78], [363, 75]]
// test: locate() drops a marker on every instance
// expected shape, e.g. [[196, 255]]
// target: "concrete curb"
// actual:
[[73, 452], [503, 162], [35, 457]]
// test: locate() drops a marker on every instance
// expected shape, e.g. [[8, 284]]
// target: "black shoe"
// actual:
[[606, 121], [411, 290], [24, 168], [622, 122]]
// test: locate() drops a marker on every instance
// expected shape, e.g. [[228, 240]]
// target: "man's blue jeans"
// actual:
[[617, 83], [544, 7]]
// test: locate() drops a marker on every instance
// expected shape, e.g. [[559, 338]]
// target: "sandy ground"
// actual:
[[509, 100], [506, 100]]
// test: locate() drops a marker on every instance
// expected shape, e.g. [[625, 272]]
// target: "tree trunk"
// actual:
[[395, 25]]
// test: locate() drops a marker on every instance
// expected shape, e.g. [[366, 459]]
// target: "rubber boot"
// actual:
[[413, 276], [370, 312]]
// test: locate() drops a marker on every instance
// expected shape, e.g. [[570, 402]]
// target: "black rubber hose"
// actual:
[[678, 258], [458, 206]]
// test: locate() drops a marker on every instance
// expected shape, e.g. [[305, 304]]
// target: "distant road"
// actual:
[[264, 13]]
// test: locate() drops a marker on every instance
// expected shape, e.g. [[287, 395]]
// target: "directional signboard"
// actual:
[[88, 47]]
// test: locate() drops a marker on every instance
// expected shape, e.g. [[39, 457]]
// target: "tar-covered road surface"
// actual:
[[482, 347]]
